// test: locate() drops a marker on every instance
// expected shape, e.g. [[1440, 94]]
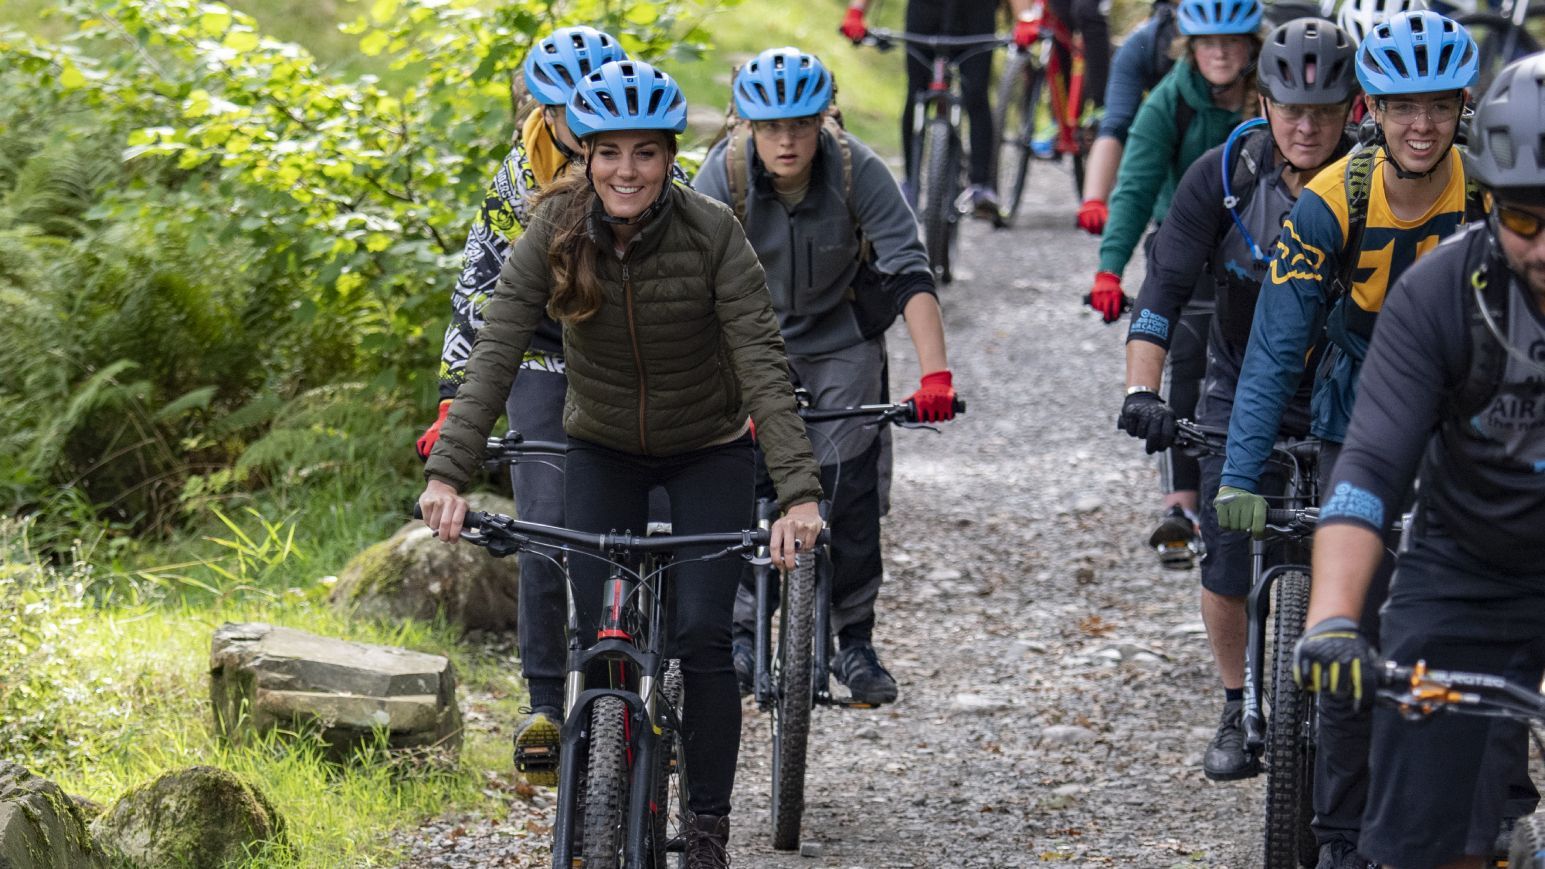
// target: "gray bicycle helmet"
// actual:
[[1507, 139], [1303, 49]]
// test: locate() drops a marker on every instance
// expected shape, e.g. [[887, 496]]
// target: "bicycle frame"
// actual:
[[1056, 44]]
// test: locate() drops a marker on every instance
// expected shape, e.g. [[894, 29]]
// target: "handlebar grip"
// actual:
[[1126, 301], [1275, 516], [473, 519]]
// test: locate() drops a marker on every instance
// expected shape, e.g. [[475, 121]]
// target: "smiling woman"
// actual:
[[671, 345]]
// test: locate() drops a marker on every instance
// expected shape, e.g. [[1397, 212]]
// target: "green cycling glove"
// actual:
[[1239, 510]]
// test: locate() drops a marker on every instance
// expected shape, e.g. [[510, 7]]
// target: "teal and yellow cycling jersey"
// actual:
[[1298, 299]]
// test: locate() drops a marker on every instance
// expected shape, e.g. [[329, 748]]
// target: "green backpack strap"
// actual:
[[1359, 186]]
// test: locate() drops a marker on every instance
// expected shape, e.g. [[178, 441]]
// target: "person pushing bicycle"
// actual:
[[1356, 228], [1227, 211], [671, 343], [957, 18], [1192, 109], [843, 258], [1453, 391]]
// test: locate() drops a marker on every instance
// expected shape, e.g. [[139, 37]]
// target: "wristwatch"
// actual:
[[1133, 390]]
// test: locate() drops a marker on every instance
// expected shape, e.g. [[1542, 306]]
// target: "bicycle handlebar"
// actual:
[[514, 530], [1126, 301], [904, 413], [1419, 692], [879, 37]]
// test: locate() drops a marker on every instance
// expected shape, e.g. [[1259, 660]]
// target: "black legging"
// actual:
[[710, 491], [955, 18], [1088, 18]]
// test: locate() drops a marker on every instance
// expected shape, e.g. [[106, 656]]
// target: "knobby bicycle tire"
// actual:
[[606, 784], [941, 185], [791, 713], [1528, 845], [669, 804], [1289, 840], [1019, 94]]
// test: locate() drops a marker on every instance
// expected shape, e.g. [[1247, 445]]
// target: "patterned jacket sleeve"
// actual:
[[500, 220]]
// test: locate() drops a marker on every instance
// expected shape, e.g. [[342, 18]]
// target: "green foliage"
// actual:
[[213, 244]]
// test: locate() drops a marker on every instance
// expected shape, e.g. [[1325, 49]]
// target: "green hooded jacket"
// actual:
[[1152, 163], [685, 345]]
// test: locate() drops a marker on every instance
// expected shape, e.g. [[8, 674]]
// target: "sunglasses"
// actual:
[[1524, 224]]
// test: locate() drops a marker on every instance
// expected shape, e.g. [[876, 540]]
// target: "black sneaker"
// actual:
[[745, 664], [858, 667], [537, 740], [1340, 854], [1175, 540], [1226, 758]]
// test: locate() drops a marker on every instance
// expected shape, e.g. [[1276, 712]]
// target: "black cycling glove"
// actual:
[[1333, 657], [1145, 415]]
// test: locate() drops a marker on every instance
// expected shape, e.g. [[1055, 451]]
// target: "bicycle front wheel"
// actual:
[[606, 784], [941, 187], [1019, 95], [791, 714], [1290, 842]]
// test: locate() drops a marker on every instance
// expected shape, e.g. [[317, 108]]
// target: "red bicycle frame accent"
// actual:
[[1066, 91]]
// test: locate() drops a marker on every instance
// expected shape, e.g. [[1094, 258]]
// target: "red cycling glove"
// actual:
[[1025, 32], [934, 400], [1092, 216], [853, 26], [426, 441], [1107, 297]]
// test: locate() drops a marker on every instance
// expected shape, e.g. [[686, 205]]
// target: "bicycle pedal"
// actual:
[[1177, 554]]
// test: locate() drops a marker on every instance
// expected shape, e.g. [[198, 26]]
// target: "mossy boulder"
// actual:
[[195, 818], [40, 826], [414, 575]]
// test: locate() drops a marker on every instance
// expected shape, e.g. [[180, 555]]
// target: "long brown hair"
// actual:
[[572, 253]]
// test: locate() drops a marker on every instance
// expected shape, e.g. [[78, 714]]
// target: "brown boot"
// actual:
[[708, 839]]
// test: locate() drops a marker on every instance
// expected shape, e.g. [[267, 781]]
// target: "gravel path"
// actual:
[[1056, 689]]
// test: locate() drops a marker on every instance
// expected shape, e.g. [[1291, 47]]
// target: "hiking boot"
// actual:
[[1341, 854], [745, 664], [1175, 540], [708, 840], [1226, 758], [984, 203], [858, 667], [537, 739]]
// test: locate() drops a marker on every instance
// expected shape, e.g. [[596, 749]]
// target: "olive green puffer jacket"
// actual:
[[684, 346]]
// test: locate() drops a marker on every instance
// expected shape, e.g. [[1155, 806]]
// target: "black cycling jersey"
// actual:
[[1482, 477]]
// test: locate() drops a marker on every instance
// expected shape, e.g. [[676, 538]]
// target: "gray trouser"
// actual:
[[850, 455], [535, 409]]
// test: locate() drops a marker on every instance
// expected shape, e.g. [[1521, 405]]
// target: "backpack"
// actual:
[[738, 133], [1359, 187], [1246, 151], [1486, 301]]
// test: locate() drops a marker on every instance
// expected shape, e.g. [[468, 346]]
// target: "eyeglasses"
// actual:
[[1406, 111], [1317, 115], [1525, 224], [796, 127], [1220, 44]]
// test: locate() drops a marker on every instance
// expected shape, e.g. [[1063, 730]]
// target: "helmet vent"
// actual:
[[1501, 147], [1395, 61]]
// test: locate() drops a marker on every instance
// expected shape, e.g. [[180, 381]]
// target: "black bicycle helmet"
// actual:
[[1507, 139], [1305, 49]]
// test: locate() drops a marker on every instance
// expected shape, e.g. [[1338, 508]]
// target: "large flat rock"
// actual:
[[263, 677]]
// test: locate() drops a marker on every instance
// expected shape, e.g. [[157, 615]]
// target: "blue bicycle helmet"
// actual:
[[559, 60], [1218, 17], [626, 95], [1417, 52], [782, 83]]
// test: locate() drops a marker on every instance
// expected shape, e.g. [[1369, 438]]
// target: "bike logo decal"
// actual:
[[1149, 323]]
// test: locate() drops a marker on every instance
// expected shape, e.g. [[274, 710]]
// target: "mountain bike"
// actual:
[[1503, 36], [1417, 692], [622, 773], [937, 167], [792, 668], [1051, 73], [1278, 602]]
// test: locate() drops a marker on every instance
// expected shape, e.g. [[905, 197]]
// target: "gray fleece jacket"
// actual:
[[824, 298]]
